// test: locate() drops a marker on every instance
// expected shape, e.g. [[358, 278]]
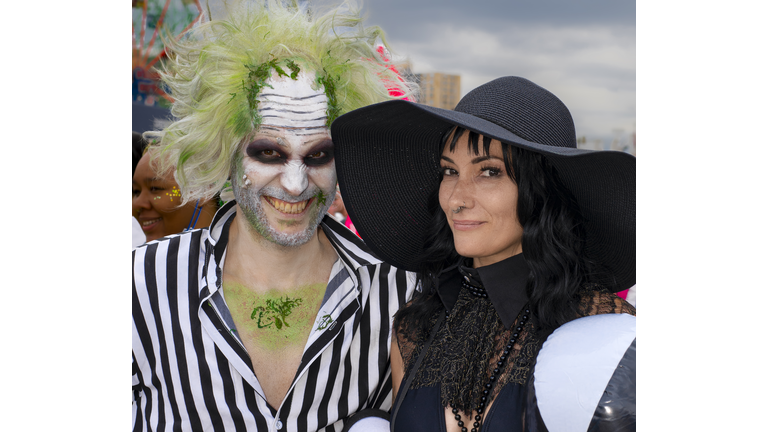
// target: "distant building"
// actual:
[[435, 89], [620, 142], [439, 90]]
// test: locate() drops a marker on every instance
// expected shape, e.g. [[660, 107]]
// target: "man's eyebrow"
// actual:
[[310, 141], [325, 144], [271, 139]]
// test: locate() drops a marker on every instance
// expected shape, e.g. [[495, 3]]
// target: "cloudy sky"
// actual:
[[583, 51]]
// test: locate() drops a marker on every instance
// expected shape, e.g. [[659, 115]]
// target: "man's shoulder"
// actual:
[[348, 244], [177, 252], [372, 271]]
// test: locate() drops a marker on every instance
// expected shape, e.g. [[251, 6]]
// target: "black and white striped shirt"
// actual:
[[191, 373]]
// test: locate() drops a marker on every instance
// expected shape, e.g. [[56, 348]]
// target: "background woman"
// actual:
[[157, 205], [514, 234]]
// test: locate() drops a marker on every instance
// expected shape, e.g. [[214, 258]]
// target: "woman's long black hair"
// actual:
[[553, 241]]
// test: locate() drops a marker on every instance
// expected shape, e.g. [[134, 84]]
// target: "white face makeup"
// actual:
[[285, 175]]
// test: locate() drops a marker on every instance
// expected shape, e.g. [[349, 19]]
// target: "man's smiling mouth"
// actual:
[[287, 207]]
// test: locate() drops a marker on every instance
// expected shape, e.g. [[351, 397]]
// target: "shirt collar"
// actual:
[[219, 229], [215, 247], [504, 282], [350, 247]]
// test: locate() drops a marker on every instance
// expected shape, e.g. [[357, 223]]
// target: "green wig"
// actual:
[[214, 74]]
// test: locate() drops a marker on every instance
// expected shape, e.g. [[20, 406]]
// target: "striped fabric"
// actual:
[[191, 372]]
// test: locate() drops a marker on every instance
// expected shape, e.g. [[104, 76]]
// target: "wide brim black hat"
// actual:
[[388, 166]]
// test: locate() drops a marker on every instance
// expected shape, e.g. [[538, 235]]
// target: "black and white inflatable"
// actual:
[[584, 377]]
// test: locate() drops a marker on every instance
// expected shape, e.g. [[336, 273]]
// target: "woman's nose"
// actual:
[[141, 201], [462, 194]]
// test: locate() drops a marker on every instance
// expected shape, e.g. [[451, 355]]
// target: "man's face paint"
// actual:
[[284, 177]]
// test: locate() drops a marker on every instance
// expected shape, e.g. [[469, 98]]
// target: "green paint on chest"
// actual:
[[274, 320], [275, 312]]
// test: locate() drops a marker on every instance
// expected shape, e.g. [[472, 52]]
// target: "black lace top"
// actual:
[[471, 340]]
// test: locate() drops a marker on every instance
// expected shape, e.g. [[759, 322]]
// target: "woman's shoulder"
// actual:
[[595, 299]]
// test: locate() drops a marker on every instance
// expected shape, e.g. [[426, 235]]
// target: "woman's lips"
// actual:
[[148, 224], [288, 208], [466, 225]]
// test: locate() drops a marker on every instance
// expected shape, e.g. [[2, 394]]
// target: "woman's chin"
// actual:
[[469, 252]]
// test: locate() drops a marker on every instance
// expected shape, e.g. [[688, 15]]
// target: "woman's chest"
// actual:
[[422, 410]]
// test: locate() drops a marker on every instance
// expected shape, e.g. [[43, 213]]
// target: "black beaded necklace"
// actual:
[[475, 290], [479, 291]]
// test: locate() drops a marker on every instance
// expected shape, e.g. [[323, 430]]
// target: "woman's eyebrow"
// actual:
[[480, 159], [448, 159]]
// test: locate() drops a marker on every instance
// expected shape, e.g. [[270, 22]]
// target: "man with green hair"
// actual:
[[276, 317]]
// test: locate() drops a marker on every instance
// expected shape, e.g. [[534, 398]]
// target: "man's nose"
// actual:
[[294, 179]]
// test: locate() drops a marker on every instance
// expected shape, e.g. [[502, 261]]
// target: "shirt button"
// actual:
[[279, 424]]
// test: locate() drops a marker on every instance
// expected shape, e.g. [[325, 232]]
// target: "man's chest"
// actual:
[[274, 327], [274, 321]]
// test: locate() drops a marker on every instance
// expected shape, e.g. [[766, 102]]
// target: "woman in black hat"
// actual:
[[517, 238]]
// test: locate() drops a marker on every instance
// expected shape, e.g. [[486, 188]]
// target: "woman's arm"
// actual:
[[397, 366]]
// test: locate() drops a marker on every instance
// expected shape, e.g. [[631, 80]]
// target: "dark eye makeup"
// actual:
[[265, 151], [320, 154], [269, 152]]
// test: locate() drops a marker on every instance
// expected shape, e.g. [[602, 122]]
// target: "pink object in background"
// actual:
[[394, 91], [629, 295], [348, 223]]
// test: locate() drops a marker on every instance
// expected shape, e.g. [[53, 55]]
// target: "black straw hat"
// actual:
[[387, 162]]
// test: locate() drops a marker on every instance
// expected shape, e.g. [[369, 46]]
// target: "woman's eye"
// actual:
[[490, 172], [445, 171], [136, 192]]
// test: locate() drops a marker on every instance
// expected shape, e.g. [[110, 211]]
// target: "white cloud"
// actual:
[[591, 68]]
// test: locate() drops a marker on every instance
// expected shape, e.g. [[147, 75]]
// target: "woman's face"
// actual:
[[156, 203], [486, 227]]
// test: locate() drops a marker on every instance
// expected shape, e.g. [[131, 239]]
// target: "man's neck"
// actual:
[[260, 264]]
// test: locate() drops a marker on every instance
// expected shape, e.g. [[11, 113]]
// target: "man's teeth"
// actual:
[[286, 207]]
